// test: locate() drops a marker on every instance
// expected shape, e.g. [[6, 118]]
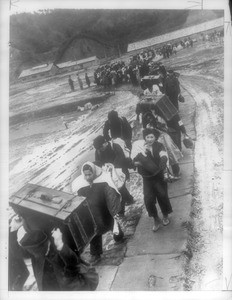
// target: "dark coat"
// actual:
[[59, 271], [104, 202], [172, 89], [175, 124], [18, 272], [120, 130], [87, 80], [70, 81], [112, 154], [151, 163]]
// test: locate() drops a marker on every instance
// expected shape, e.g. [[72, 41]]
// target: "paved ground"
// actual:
[[155, 261]]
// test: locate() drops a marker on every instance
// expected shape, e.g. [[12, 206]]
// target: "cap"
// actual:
[[112, 115]]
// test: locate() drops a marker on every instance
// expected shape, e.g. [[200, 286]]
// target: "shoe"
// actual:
[[177, 175], [119, 241], [165, 221], [156, 227], [94, 259], [118, 238], [173, 178]]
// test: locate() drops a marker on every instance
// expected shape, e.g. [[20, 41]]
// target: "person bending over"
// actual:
[[104, 201]]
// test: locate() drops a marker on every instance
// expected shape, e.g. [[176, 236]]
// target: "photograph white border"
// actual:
[[4, 142]]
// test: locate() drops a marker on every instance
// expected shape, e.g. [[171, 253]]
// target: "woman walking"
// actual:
[[150, 158], [174, 154]]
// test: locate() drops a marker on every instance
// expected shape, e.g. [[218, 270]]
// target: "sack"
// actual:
[[149, 167], [188, 142], [181, 98], [90, 276], [116, 174], [122, 144]]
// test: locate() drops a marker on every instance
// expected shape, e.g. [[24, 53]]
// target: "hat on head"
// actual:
[[98, 142], [112, 115]]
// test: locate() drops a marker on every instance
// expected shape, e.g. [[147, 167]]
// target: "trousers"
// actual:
[[96, 243], [156, 190]]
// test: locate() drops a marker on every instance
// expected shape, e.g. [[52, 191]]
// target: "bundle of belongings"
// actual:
[[149, 166]]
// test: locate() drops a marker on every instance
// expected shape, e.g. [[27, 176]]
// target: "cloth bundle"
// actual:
[[146, 161], [117, 176], [122, 144]]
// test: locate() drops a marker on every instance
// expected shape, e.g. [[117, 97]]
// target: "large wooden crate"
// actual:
[[166, 108], [161, 104], [46, 209]]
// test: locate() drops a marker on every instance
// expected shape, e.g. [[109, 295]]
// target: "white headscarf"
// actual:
[[99, 177]]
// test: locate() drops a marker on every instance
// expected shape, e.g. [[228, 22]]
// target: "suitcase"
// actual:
[[151, 79], [45, 209], [166, 108]]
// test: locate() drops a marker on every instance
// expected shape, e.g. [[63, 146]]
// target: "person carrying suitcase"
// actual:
[[56, 267], [104, 201]]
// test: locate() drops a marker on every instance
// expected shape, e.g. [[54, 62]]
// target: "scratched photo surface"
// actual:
[[68, 69]]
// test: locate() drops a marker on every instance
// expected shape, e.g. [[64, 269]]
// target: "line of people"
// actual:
[[140, 65], [103, 183], [151, 157], [215, 36]]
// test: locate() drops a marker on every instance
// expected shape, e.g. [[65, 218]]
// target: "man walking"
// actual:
[[172, 88], [80, 82], [71, 84], [87, 80]]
